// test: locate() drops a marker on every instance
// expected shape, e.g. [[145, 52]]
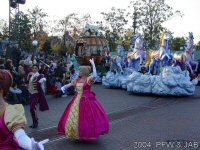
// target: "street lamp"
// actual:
[[35, 43]]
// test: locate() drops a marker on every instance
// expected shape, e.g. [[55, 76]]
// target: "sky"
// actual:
[[190, 22]]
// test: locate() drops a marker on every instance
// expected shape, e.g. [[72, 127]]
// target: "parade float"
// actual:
[[171, 81], [91, 45], [123, 65], [164, 76], [117, 70]]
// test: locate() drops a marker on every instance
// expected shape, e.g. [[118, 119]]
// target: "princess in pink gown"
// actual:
[[84, 118]]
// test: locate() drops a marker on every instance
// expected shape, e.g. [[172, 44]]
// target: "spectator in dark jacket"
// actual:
[[16, 56], [2, 63]]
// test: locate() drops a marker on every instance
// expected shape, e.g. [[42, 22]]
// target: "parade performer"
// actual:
[[13, 120], [74, 61], [84, 118], [36, 94]]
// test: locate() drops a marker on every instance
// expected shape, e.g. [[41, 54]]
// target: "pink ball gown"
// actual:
[[84, 118]]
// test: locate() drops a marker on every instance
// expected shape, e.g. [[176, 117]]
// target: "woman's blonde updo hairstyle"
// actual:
[[85, 69]]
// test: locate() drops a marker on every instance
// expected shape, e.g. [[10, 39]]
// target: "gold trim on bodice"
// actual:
[[71, 127]]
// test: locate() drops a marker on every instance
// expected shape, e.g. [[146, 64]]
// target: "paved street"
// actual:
[[137, 122]]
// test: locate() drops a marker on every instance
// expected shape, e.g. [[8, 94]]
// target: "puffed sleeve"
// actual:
[[90, 80], [15, 117], [73, 82]]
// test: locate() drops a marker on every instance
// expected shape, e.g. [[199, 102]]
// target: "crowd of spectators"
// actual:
[[57, 71]]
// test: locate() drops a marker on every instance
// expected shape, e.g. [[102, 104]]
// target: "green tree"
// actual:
[[102, 26], [129, 33], [112, 39], [150, 16], [47, 48], [178, 43], [116, 22], [55, 43], [56, 47], [116, 19], [71, 23], [42, 37], [37, 16], [20, 30], [66, 23], [4, 29], [197, 46]]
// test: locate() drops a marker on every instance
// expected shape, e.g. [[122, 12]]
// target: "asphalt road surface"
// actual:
[[137, 121]]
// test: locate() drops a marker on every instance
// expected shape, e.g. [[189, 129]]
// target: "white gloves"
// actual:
[[94, 71], [65, 87], [38, 145], [26, 143], [42, 80], [92, 62]]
